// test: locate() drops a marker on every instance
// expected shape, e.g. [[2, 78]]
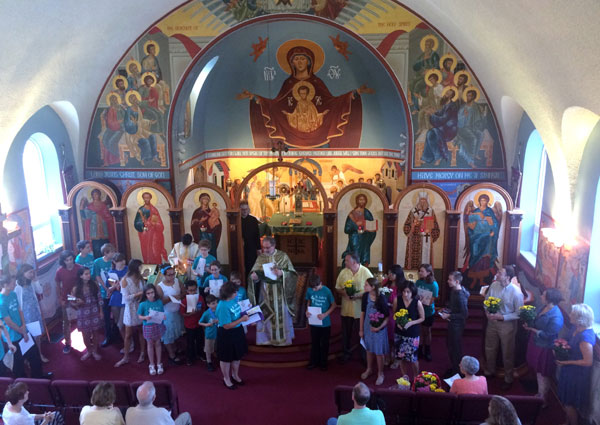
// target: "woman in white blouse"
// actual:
[[102, 411], [14, 413]]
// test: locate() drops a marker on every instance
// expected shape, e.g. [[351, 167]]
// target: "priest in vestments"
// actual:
[[275, 296]]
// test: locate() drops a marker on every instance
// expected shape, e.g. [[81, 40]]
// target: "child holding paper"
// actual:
[[28, 288], [236, 278], [202, 261], [373, 320], [115, 302], [319, 296], [215, 275], [152, 330], [191, 315], [428, 291], [210, 322], [89, 312]]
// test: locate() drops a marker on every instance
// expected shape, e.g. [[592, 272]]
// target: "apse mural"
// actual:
[[204, 217], [421, 229], [359, 228], [149, 225], [20, 249], [300, 83], [481, 235]]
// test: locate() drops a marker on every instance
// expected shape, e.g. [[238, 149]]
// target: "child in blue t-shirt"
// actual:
[[202, 262], [115, 299], [426, 285], [85, 258], [210, 323], [215, 274], [318, 295], [235, 277], [153, 332]]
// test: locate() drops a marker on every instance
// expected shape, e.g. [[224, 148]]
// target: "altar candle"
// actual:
[[380, 266]]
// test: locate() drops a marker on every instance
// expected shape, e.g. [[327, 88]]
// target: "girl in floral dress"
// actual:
[[406, 339], [89, 312]]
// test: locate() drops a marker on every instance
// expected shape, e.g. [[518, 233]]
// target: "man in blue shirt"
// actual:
[[361, 414]]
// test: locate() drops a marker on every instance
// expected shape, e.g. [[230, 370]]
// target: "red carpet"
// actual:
[[290, 395]]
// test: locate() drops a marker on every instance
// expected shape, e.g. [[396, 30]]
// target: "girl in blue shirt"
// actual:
[[230, 335], [153, 332], [215, 274]]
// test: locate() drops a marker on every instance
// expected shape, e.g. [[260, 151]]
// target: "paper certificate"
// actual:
[[174, 300], [156, 316], [254, 315], [201, 266], [34, 328], [451, 380], [425, 296], [483, 290], [215, 286], [313, 319], [268, 270], [26, 345], [192, 302], [245, 305]]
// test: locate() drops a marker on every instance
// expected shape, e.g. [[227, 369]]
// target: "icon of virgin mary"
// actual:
[[305, 114]]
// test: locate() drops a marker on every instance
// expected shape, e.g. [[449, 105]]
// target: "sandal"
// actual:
[[160, 369], [121, 362], [152, 370], [365, 374], [141, 358], [380, 379]]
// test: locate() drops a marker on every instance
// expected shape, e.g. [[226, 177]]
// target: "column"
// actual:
[[119, 215]]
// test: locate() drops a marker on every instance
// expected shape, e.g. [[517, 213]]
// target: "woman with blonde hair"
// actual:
[[102, 411], [502, 412]]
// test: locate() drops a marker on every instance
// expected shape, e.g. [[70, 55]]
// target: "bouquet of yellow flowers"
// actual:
[[427, 381], [350, 289], [492, 304], [401, 317], [527, 314]]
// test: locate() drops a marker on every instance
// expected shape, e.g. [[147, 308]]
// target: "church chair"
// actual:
[[397, 406], [528, 408], [434, 408], [72, 396], [124, 398], [4, 383], [41, 396], [166, 395], [343, 399], [472, 409]]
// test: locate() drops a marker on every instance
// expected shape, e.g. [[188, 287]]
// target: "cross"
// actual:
[[279, 146], [426, 236]]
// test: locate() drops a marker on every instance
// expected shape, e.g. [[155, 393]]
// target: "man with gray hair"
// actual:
[[146, 413], [361, 414]]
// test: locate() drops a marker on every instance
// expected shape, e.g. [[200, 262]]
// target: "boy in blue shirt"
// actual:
[[85, 258], [199, 270], [318, 295], [235, 277], [210, 322], [215, 274], [100, 269]]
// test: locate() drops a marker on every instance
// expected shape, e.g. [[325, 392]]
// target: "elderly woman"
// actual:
[[470, 384], [502, 412], [547, 324], [14, 413], [102, 411], [576, 372]]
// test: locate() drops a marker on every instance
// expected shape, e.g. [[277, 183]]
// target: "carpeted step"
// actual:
[[285, 359]]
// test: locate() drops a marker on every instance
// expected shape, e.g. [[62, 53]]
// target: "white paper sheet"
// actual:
[[245, 305], [254, 310], [192, 302], [25, 346], [34, 328], [451, 380], [156, 316], [483, 290], [174, 300], [425, 296], [313, 319], [362, 342], [252, 319], [267, 269], [201, 266], [9, 359], [215, 286]]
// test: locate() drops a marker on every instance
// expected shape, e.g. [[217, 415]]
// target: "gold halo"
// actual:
[[458, 74], [451, 88], [132, 92], [483, 192], [433, 71], [448, 56], [140, 200], [468, 89], [117, 78], [360, 193], [415, 197], [311, 90], [151, 74], [132, 62], [199, 195], [111, 94], [436, 43], [147, 43], [283, 50]]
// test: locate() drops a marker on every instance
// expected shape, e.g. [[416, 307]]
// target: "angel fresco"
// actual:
[[305, 114], [482, 229], [98, 223]]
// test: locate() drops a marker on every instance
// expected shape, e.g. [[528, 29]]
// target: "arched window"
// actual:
[[592, 286], [534, 175], [44, 192]]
